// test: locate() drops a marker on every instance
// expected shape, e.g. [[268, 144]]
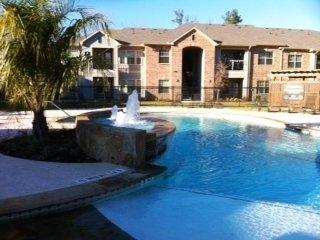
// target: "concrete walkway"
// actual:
[[21, 177], [237, 114]]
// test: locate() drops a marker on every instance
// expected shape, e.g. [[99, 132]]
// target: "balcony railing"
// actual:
[[234, 65], [101, 64]]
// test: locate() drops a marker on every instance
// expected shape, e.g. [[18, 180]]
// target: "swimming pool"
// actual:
[[222, 177]]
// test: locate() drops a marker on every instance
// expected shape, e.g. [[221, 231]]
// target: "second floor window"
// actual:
[[294, 61], [318, 62], [164, 56], [262, 87], [265, 58], [130, 57]]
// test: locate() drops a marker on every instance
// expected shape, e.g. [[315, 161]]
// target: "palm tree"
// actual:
[[35, 64]]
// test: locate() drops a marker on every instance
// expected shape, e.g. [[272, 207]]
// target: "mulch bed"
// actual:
[[60, 146]]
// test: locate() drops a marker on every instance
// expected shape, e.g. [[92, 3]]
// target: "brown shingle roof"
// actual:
[[138, 36], [229, 35]]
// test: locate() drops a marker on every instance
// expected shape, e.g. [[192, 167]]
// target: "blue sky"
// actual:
[[302, 14]]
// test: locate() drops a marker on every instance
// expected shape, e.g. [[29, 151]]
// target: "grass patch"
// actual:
[[59, 146]]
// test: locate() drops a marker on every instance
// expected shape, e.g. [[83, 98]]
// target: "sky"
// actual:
[[300, 14]]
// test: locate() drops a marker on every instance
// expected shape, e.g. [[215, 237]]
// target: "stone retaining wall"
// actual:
[[118, 145]]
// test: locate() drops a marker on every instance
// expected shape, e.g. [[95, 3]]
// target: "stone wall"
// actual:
[[123, 146], [118, 145]]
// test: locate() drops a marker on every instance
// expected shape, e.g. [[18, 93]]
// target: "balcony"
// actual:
[[234, 60], [102, 58], [102, 64], [234, 64]]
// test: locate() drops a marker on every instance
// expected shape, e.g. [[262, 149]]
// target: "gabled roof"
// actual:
[[91, 35], [228, 35], [214, 42]]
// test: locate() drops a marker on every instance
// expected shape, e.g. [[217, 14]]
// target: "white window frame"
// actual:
[[164, 56], [295, 60], [265, 58], [164, 86], [124, 55], [265, 85]]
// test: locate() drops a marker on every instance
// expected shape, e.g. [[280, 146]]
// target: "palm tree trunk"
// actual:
[[39, 125]]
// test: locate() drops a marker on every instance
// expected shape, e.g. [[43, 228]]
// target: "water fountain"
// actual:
[[123, 137], [129, 117]]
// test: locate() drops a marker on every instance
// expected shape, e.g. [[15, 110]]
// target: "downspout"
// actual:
[[249, 74]]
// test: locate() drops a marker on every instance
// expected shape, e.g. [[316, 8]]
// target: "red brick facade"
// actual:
[[153, 71]]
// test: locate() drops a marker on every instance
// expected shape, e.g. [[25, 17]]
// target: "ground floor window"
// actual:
[[263, 87], [163, 86]]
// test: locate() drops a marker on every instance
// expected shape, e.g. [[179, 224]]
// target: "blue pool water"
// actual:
[[253, 162], [217, 172]]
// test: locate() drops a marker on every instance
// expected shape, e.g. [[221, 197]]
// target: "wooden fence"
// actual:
[[307, 98]]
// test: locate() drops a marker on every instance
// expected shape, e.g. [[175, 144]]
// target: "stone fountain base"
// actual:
[[118, 145]]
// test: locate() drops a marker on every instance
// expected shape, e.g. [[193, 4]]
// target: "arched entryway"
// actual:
[[191, 73]]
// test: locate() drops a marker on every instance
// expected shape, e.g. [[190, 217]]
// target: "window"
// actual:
[[163, 86], [130, 57], [100, 40], [122, 60], [122, 57], [318, 62], [295, 61], [138, 57], [265, 58], [108, 56], [98, 85], [263, 87], [163, 56]]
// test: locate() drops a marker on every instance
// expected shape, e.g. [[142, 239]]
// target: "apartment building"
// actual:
[[180, 64]]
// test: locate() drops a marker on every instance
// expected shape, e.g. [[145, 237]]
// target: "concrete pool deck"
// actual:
[[32, 189], [22, 177], [29, 188], [12, 123]]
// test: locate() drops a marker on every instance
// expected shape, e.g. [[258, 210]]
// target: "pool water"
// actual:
[[252, 162], [219, 172]]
